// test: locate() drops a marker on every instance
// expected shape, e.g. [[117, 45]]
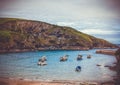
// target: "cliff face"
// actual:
[[28, 34]]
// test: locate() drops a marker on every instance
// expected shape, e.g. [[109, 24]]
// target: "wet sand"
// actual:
[[7, 81], [27, 82]]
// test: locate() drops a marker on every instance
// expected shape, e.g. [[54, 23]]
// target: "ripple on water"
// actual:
[[24, 65]]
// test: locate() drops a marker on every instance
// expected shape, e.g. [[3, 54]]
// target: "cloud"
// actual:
[[99, 31], [56, 9], [66, 24], [83, 15], [6, 4]]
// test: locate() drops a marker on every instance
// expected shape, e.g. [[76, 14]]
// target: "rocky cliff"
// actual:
[[27, 34]]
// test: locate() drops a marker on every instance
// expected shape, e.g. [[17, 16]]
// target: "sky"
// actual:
[[100, 18]]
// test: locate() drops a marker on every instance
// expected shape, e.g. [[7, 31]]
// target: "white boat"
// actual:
[[42, 63], [43, 58]]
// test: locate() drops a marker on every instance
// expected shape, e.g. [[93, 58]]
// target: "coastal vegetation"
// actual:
[[24, 34]]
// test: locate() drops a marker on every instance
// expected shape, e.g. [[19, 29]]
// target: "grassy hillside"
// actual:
[[28, 34]]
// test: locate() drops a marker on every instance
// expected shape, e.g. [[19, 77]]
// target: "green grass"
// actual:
[[81, 35], [4, 20], [5, 36], [68, 35]]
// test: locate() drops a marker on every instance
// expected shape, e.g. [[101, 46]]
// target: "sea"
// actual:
[[24, 66]]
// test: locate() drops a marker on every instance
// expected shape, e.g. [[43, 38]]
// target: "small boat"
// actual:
[[43, 58], [89, 56], [79, 57], [78, 68], [64, 58], [42, 63]]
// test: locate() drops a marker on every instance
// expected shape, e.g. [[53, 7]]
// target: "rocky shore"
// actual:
[[108, 52], [40, 49], [63, 48], [115, 53]]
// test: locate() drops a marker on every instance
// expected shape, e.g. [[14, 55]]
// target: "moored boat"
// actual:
[[42, 63], [79, 57], [43, 58], [89, 56], [64, 58]]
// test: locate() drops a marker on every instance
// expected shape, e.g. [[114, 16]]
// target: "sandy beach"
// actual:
[[7, 81], [4, 81]]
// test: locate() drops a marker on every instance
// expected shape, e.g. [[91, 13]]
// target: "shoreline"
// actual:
[[47, 49], [8, 81], [117, 64]]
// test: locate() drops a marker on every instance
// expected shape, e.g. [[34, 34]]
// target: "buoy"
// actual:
[[78, 68]]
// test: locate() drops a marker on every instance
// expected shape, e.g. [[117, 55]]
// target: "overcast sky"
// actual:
[[96, 17], [71, 9]]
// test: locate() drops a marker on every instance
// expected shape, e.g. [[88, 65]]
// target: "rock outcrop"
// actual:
[[107, 52]]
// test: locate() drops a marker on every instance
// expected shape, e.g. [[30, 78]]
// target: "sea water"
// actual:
[[24, 66]]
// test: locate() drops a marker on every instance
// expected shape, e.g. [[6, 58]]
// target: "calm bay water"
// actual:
[[24, 65]]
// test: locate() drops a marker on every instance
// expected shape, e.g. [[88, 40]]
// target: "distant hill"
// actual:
[[21, 34]]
